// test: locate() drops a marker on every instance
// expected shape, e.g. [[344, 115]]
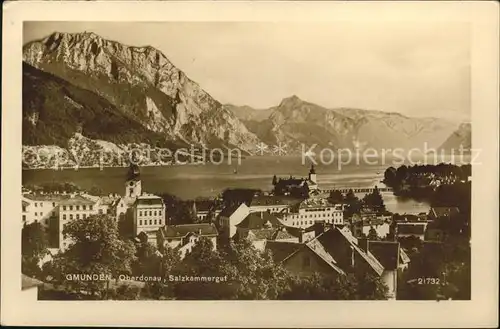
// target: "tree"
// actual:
[[375, 201], [95, 249], [148, 260], [203, 261], [390, 176], [126, 225], [335, 197], [34, 247], [275, 180], [352, 286], [96, 190], [353, 204], [258, 277]]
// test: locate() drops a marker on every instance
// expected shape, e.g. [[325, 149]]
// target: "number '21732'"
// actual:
[[428, 280]]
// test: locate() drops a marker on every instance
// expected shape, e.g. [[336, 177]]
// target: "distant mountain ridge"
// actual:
[[81, 91], [459, 139], [141, 83], [295, 121]]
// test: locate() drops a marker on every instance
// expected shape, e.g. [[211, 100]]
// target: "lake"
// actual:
[[205, 180]]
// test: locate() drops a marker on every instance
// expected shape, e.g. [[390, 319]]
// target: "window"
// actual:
[[84, 207], [140, 213], [77, 207], [159, 213], [36, 214], [64, 217], [70, 216], [36, 204], [140, 221], [64, 207], [84, 216], [77, 216], [41, 214], [24, 218], [53, 204], [150, 213], [100, 211], [90, 207], [155, 213], [150, 222], [155, 222], [70, 207]]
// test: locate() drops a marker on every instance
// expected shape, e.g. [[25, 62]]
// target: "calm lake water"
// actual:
[[191, 181]]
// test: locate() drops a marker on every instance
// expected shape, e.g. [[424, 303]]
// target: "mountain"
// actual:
[[247, 113], [459, 138], [142, 85], [295, 121]]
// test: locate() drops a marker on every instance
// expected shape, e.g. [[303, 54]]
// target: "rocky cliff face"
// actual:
[[143, 84], [459, 139], [295, 122]]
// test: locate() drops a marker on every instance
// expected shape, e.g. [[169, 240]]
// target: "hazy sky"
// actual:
[[413, 68]]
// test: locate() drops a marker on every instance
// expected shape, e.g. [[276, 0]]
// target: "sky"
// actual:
[[412, 68]]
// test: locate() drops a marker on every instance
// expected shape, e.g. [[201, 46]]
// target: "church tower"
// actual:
[[133, 187], [312, 174]]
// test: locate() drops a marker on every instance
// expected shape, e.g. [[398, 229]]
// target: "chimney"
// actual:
[[319, 227], [363, 244]]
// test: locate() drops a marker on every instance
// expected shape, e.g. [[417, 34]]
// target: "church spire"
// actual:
[[133, 172], [312, 171]]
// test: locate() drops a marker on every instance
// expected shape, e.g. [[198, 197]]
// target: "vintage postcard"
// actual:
[[194, 153]]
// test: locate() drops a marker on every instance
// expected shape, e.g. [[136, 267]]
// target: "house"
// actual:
[[26, 212], [42, 208], [203, 208], [404, 229], [344, 248], [298, 186], [312, 210], [272, 203], [185, 236], [335, 251], [73, 208], [149, 213], [388, 254], [256, 221], [263, 226], [29, 288], [381, 227], [302, 235], [229, 218], [303, 259], [443, 212]]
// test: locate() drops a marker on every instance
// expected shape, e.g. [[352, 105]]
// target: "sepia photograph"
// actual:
[[245, 160]]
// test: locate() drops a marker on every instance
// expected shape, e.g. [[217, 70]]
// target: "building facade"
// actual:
[[149, 213], [314, 210]]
